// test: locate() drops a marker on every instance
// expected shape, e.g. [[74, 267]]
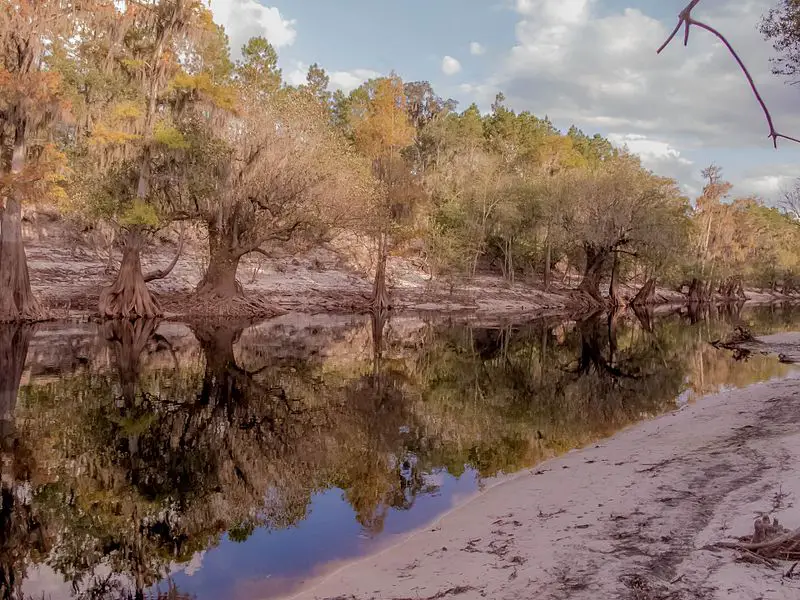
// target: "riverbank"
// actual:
[[632, 517], [67, 276]]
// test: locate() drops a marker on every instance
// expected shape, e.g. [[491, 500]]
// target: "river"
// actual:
[[161, 459]]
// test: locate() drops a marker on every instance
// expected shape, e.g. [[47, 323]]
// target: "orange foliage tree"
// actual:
[[31, 101]]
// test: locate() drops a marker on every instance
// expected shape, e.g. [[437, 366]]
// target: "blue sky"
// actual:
[[587, 62]]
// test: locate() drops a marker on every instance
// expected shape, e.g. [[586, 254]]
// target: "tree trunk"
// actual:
[[595, 260], [14, 342], [647, 295], [220, 387], [220, 277], [380, 296], [128, 297], [613, 291], [547, 259], [17, 302], [128, 340], [644, 313], [697, 291]]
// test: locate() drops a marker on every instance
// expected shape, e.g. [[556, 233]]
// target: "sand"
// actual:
[[67, 272], [631, 517]]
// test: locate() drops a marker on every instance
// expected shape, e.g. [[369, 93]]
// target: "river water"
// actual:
[[170, 460]]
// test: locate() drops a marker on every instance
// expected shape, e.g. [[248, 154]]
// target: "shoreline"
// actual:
[[491, 310], [629, 517], [68, 279]]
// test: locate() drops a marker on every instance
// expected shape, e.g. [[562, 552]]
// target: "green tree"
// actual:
[[258, 69]]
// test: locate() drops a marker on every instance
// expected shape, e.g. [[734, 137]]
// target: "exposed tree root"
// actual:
[[211, 305], [770, 541], [128, 297]]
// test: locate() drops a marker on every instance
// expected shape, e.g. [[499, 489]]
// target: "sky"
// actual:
[[591, 63]]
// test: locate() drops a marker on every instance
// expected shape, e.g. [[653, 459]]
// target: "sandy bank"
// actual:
[[67, 275], [784, 345], [627, 518]]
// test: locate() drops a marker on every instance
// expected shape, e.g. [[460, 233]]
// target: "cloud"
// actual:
[[244, 19], [769, 181], [767, 186], [350, 80], [476, 48], [450, 66], [661, 157], [297, 76], [598, 68], [339, 80]]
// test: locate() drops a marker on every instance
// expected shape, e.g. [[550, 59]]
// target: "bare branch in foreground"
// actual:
[[686, 20]]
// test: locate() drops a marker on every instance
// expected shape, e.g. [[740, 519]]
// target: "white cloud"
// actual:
[[244, 19], [647, 149], [600, 69], [767, 186], [450, 65], [769, 181], [476, 48], [339, 80], [297, 76], [661, 157], [350, 80]]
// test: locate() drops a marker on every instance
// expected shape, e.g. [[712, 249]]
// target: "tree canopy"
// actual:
[[143, 120]]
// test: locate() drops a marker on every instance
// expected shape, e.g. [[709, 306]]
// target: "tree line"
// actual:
[[134, 115]]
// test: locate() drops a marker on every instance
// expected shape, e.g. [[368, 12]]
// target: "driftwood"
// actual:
[[740, 335], [770, 541]]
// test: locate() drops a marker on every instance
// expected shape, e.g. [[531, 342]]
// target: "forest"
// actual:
[[133, 118]]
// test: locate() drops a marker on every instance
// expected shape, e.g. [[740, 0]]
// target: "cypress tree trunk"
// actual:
[[380, 296], [14, 341], [547, 259], [613, 290], [697, 291], [595, 260], [220, 277], [128, 297], [17, 302]]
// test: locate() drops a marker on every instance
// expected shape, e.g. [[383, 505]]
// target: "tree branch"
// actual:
[[686, 20], [282, 235], [162, 273]]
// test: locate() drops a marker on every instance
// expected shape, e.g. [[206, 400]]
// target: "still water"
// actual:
[[167, 460]]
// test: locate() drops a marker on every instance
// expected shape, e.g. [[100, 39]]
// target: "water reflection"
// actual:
[[142, 458]]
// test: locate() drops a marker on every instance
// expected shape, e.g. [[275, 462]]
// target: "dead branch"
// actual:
[[770, 542], [686, 20], [791, 201], [162, 273]]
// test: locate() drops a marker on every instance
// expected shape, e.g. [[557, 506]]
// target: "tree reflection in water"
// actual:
[[112, 476]]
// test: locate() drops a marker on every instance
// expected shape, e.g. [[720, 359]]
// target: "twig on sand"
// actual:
[[790, 573], [453, 591]]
